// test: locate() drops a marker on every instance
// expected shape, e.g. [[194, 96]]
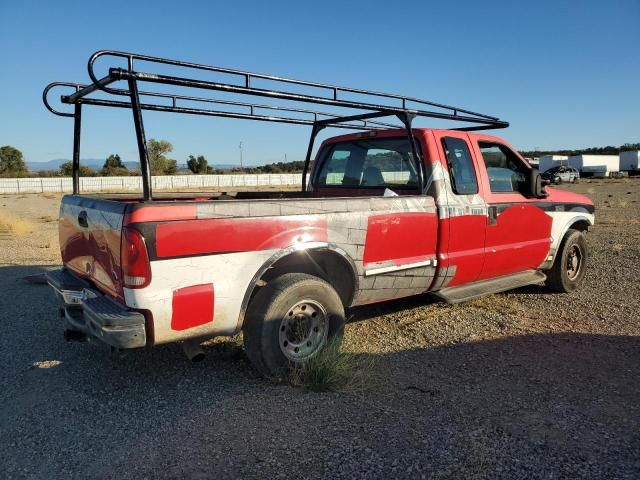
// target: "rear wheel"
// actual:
[[557, 180], [570, 263], [290, 320]]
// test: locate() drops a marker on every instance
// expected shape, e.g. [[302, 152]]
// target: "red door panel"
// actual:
[[465, 247], [401, 238], [519, 240]]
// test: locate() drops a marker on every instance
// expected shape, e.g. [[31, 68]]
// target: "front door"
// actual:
[[518, 233]]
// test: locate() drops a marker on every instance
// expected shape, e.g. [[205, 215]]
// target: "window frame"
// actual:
[[327, 150], [454, 187], [481, 143]]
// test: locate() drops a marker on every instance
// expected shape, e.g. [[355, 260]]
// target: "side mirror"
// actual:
[[535, 184]]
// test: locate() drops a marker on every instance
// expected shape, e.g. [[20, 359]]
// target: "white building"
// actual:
[[630, 161], [549, 161], [595, 165], [534, 162]]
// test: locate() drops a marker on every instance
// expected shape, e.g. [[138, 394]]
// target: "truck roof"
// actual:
[[402, 132]]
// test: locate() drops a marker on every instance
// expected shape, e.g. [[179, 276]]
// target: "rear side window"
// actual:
[[507, 173], [461, 171], [372, 163]]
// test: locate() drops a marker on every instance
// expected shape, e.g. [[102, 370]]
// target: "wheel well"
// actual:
[[582, 225], [327, 264]]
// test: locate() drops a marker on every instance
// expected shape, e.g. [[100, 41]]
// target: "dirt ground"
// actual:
[[525, 384]]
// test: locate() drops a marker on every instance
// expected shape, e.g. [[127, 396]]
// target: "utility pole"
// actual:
[[285, 158], [240, 155]]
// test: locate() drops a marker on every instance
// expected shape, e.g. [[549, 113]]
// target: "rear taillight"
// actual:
[[136, 269]]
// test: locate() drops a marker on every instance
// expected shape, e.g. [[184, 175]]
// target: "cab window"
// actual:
[[507, 173], [375, 163], [461, 171]]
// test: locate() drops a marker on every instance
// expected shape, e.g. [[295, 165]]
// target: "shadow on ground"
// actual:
[[535, 406]]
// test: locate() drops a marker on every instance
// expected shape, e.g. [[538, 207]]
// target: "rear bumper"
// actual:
[[95, 314]]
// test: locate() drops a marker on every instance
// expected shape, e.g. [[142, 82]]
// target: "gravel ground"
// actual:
[[519, 385]]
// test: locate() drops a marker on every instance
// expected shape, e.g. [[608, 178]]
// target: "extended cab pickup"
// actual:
[[383, 216]]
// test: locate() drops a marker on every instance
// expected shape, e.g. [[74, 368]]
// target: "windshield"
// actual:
[[368, 163]]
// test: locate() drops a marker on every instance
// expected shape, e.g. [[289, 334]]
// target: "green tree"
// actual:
[[113, 166], [12, 162], [66, 170], [630, 146], [171, 168], [198, 164], [158, 161]]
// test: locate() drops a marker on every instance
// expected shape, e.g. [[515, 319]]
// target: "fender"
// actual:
[[279, 255], [555, 244]]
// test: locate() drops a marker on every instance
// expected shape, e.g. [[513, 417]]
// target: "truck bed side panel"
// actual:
[[391, 241]]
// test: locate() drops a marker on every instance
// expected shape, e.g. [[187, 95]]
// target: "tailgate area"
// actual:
[[90, 232], [96, 315]]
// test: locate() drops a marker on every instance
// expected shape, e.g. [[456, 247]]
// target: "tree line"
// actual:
[[113, 166], [12, 164], [608, 150]]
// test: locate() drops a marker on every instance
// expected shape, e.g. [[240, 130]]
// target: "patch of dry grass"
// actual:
[[51, 196], [495, 303], [420, 315], [331, 370], [18, 226]]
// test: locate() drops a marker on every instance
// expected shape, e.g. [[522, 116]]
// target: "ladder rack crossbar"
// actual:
[[248, 76]]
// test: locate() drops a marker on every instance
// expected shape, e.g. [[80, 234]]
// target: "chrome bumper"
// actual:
[[95, 314]]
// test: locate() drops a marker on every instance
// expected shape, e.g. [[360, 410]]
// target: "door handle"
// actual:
[[82, 219], [492, 212]]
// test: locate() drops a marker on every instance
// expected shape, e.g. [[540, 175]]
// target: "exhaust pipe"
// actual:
[[193, 350], [71, 335]]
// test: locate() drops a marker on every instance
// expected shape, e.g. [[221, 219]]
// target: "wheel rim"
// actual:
[[303, 330], [574, 261]]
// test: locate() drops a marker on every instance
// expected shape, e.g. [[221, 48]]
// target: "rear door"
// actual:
[[462, 211], [90, 231], [518, 233]]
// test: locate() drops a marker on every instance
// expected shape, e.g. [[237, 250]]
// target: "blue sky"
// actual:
[[564, 74]]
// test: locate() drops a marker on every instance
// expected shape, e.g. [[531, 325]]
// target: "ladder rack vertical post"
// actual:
[[314, 133], [142, 142], [75, 164], [407, 119]]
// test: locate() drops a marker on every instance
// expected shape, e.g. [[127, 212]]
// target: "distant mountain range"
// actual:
[[94, 163], [97, 163]]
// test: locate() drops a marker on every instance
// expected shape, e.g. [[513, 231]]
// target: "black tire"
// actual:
[[265, 326], [557, 180], [565, 277]]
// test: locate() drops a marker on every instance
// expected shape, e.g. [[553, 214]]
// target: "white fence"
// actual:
[[335, 178], [175, 182]]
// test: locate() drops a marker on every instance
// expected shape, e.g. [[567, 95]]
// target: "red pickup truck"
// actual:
[[387, 212]]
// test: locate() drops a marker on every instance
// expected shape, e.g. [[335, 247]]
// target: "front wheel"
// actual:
[[290, 320], [570, 263]]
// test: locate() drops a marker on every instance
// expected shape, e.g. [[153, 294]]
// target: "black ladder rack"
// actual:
[[403, 107]]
